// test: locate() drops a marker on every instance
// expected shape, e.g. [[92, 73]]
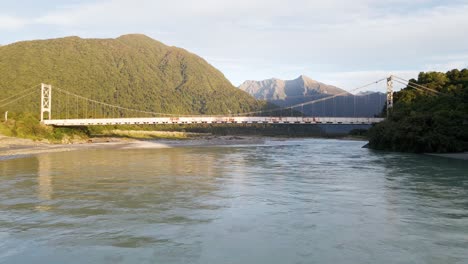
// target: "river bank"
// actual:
[[11, 147]]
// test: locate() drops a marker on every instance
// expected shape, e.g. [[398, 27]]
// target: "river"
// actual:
[[292, 201]]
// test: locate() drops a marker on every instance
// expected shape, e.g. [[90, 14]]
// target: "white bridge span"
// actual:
[[215, 120]]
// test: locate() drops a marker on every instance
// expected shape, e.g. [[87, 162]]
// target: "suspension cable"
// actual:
[[414, 87], [313, 101], [17, 99], [19, 94], [114, 106], [416, 84]]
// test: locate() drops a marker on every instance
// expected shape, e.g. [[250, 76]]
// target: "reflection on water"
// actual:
[[298, 201], [44, 186]]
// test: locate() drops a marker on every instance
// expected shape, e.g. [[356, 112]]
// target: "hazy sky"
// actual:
[[345, 43]]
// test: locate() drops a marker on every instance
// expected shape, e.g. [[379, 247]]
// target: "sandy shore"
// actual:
[[11, 147]]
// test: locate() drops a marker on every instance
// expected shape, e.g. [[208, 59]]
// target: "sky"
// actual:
[[343, 43]]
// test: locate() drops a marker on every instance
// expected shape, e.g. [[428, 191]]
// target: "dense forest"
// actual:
[[425, 121], [131, 71]]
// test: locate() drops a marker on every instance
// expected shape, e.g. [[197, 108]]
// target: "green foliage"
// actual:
[[26, 125], [132, 71], [359, 132], [422, 122]]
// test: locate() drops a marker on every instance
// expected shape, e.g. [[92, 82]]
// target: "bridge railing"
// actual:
[[214, 120]]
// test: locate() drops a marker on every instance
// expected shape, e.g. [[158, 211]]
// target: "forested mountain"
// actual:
[[423, 121], [132, 71], [304, 89]]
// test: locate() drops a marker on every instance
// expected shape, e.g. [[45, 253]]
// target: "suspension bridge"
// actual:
[[77, 110]]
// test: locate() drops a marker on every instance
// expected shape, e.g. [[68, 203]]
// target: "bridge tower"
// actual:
[[389, 94], [46, 101]]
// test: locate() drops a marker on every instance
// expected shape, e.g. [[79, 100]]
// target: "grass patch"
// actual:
[[26, 125]]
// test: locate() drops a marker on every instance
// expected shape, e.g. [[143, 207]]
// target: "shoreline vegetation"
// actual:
[[137, 71], [420, 122], [435, 124], [430, 115], [27, 126]]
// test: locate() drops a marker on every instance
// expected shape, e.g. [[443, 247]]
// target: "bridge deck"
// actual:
[[215, 120]]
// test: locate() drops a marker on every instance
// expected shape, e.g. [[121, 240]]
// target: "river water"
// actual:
[[293, 201]]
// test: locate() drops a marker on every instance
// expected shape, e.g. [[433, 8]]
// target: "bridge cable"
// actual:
[[313, 101], [414, 87], [18, 94], [116, 106], [17, 99], [416, 84]]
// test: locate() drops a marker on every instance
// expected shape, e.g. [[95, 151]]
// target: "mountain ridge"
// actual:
[[303, 89], [132, 70], [278, 89]]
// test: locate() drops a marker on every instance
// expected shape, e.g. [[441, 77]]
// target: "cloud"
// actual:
[[349, 80], [11, 23], [354, 79], [264, 38]]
